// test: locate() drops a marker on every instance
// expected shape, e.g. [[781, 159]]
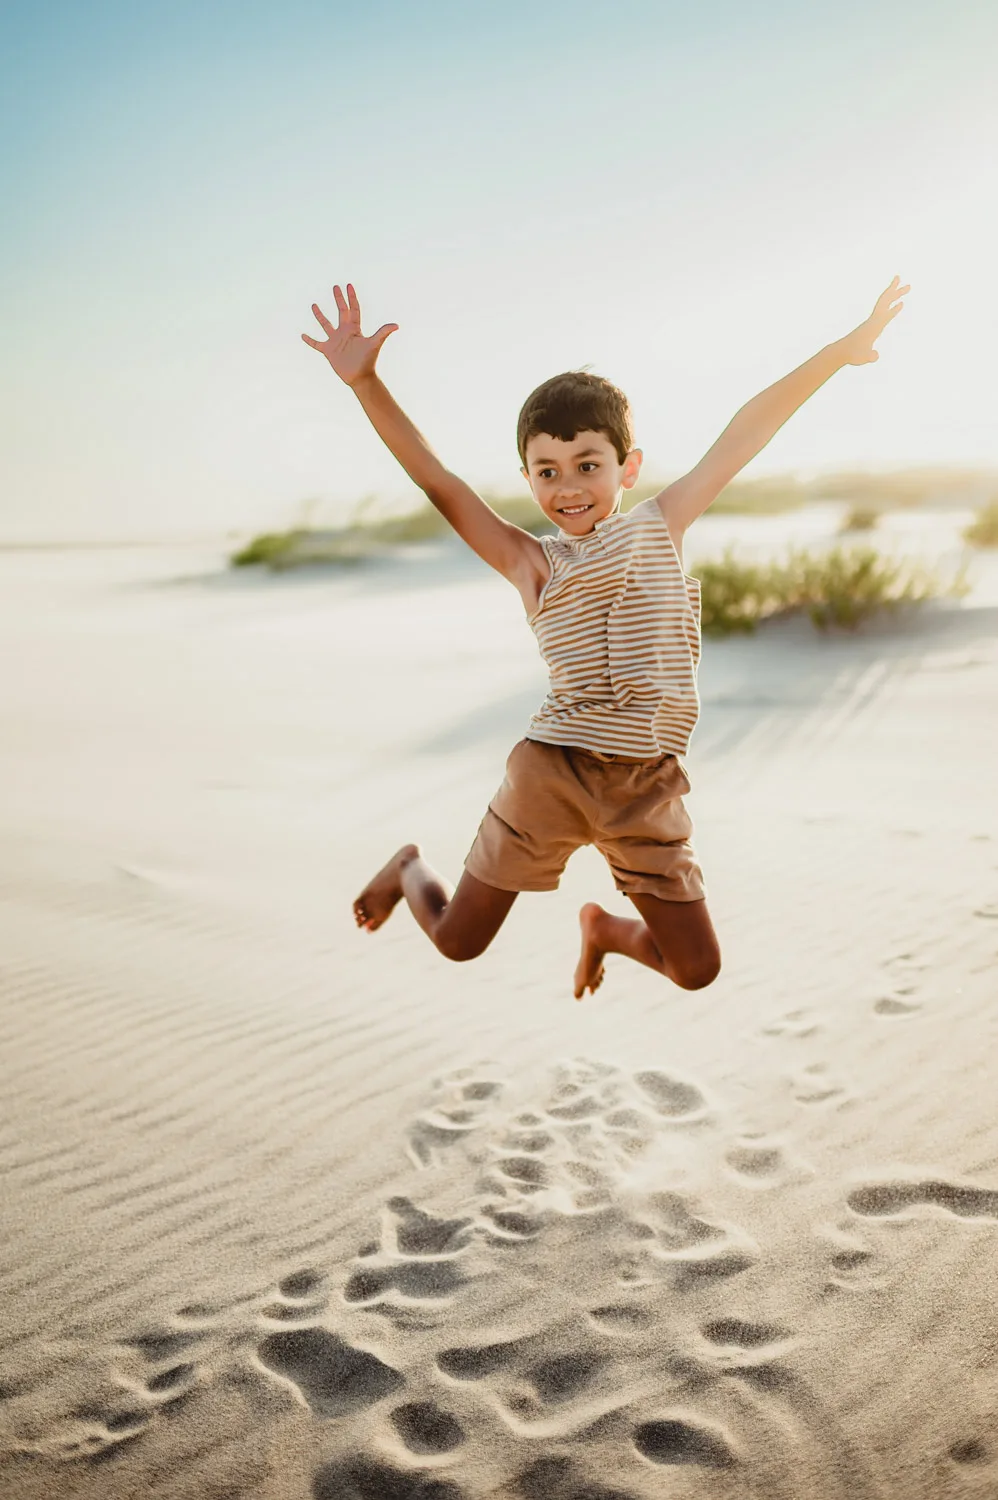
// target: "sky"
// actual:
[[690, 198]]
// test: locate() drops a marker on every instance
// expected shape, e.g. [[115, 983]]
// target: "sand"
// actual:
[[291, 1211]]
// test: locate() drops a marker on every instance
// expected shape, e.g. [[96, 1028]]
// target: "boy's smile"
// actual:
[[578, 483]]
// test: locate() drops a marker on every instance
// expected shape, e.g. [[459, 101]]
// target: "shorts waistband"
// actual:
[[619, 760]]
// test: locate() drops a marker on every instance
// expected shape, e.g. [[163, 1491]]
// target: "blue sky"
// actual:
[[689, 198]]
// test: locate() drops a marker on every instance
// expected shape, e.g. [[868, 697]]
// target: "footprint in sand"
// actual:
[[419, 1256], [416, 1281], [674, 1099], [426, 1428], [478, 1362], [123, 1408], [361, 1478], [621, 1317], [881, 1200], [897, 1003], [557, 1477], [813, 1085], [508, 1227], [905, 962], [537, 1388], [300, 1298], [757, 1162], [737, 1344], [970, 1451], [333, 1377], [794, 1023], [564, 1159], [554, 1378], [564, 1376], [409, 1231], [564, 1167], [465, 1100], [852, 1263], [164, 1344], [94, 1431], [173, 1382], [681, 1441], [694, 1248], [175, 1354]]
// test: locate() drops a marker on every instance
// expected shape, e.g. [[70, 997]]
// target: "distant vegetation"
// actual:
[[860, 518], [367, 531], [366, 534], [983, 530], [841, 587], [837, 587]]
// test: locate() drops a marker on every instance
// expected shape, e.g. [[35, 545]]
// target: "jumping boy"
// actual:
[[618, 624]]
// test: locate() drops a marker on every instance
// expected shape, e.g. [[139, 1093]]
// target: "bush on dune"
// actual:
[[983, 530], [363, 536], [265, 550], [860, 518], [841, 587]]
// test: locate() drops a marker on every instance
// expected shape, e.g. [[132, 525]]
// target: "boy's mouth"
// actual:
[[574, 510]]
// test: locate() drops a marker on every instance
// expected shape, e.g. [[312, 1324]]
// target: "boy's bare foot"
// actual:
[[381, 895], [589, 971]]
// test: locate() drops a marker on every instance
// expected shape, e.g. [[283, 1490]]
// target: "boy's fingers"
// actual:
[[383, 332], [312, 343], [352, 299], [341, 301], [321, 319]]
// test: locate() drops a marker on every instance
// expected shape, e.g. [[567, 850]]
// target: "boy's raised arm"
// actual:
[[353, 357], [751, 428]]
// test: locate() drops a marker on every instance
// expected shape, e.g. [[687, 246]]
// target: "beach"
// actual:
[[294, 1211]]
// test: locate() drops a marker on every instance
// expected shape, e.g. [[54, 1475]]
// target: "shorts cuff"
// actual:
[[664, 890], [507, 884]]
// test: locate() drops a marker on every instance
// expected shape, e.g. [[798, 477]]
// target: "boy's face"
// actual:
[[579, 482]]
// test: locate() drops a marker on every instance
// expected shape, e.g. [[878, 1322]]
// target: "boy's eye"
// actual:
[[589, 464], [547, 474]]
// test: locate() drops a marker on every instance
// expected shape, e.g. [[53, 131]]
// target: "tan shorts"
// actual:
[[555, 798]]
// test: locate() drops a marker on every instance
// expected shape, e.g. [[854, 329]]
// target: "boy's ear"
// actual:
[[632, 468]]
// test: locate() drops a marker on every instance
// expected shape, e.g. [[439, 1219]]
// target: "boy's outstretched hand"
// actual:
[[349, 353], [858, 345]]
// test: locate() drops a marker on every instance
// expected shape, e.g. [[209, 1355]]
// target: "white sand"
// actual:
[[292, 1211]]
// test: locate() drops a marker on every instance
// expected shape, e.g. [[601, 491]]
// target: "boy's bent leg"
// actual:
[[460, 923], [676, 938]]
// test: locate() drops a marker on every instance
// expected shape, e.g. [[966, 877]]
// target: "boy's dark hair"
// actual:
[[576, 402]]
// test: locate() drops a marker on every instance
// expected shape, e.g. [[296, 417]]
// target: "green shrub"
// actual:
[[833, 588], [860, 518], [365, 534], [844, 587], [270, 548], [983, 530], [735, 595]]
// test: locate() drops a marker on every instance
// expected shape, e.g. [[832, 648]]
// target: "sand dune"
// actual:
[[291, 1211]]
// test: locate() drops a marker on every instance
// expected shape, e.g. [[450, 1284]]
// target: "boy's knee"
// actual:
[[699, 972], [460, 947]]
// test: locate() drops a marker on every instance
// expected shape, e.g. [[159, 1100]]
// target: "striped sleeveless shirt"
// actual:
[[618, 624]]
